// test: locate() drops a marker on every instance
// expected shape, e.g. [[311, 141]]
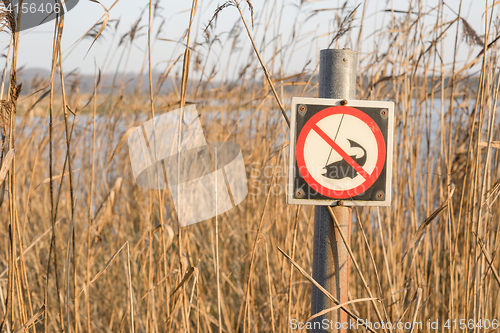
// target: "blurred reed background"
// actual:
[[91, 251]]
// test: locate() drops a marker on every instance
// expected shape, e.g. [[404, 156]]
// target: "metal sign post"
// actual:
[[337, 79], [340, 156]]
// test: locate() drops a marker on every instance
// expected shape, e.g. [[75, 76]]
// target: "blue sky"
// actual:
[[36, 44]]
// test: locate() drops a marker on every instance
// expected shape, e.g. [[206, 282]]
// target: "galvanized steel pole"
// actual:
[[337, 79]]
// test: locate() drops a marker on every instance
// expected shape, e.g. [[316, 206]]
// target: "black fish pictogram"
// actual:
[[341, 169]]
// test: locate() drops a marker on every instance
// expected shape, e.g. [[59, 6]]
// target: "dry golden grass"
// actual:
[[91, 251]]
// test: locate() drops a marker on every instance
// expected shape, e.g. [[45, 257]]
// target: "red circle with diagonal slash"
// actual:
[[311, 125]]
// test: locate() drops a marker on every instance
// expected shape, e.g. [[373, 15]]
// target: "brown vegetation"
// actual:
[[84, 249]]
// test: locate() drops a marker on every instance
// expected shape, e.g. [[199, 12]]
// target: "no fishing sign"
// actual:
[[340, 151]]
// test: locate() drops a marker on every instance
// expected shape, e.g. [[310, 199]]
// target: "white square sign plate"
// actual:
[[340, 152]]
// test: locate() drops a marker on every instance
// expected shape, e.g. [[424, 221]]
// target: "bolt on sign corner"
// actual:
[[340, 151]]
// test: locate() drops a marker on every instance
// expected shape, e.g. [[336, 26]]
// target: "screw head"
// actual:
[[380, 195], [383, 113], [299, 193], [302, 109], [343, 102]]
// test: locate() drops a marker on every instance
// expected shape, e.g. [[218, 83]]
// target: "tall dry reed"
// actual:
[[85, 249]]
